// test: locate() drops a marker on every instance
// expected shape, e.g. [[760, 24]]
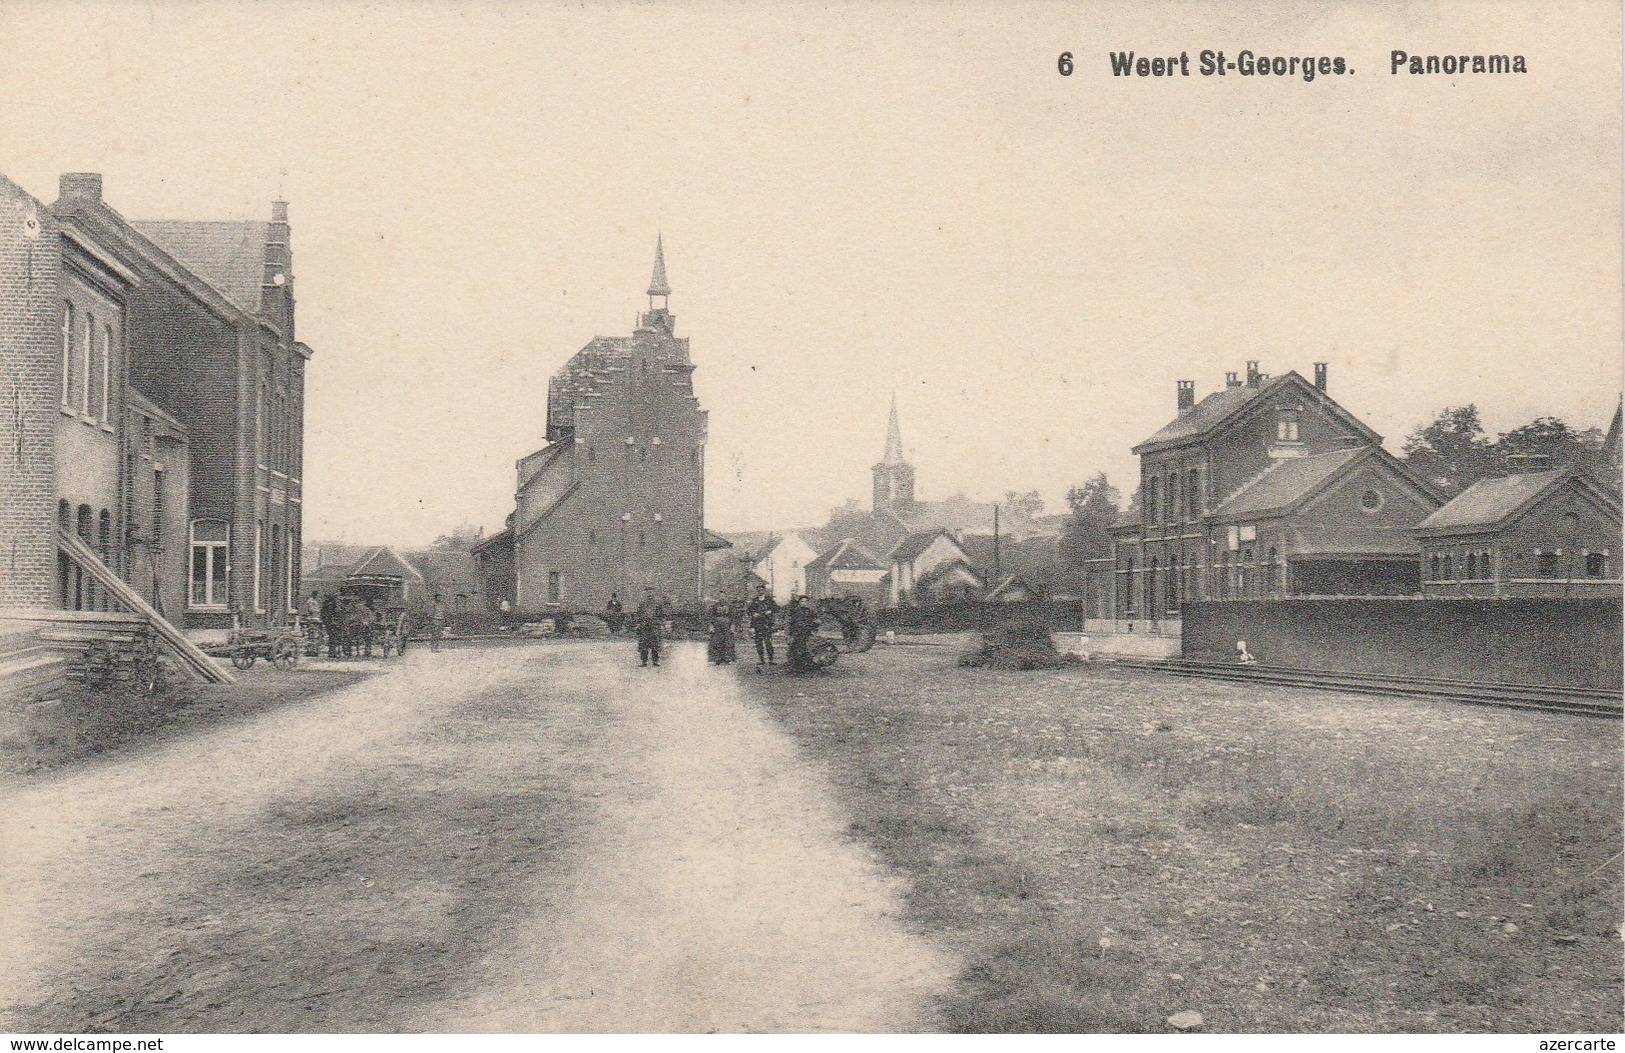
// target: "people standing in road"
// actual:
[[614, 614], [369, 626], [721, 642], [647, 621], [330, 625], [800, 621], [437, 622], [761, 612]]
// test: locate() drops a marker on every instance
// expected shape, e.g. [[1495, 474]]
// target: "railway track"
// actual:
[[1580, 701]]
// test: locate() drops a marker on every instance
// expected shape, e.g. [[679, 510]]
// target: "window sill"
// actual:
[[209, 608]]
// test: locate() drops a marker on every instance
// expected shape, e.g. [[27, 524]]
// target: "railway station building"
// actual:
[[1265, 488], [1543, 533]]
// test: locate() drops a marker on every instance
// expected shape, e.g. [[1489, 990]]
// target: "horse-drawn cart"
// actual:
[[278, 645]]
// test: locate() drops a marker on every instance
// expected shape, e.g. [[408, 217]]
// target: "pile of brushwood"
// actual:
[[1022, 644]]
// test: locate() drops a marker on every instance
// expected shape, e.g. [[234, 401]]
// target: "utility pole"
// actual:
[[997, 576]]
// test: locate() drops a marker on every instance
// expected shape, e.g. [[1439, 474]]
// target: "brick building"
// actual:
[[1554, 533], [155, 405], [1265, 488], [615, 501], [81, 442]]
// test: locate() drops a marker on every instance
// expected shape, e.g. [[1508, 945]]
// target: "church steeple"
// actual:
[[657, 281], [894, 476], [894, 438]]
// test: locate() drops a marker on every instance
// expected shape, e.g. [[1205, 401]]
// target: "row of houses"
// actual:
[[903, 550], [1269, 488], [153, 392]]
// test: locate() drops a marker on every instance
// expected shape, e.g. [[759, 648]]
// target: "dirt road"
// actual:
[[526, 839]]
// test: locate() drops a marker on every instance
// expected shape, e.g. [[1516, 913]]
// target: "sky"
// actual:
[[858, 201]]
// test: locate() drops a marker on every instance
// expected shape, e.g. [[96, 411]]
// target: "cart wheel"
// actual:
[[286, 655], [823, 654], [242, 659]]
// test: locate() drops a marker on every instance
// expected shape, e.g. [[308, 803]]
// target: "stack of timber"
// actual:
[[30, 666], [187, 656]]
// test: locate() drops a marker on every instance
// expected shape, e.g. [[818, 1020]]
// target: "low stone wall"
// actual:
[[1559, 642]]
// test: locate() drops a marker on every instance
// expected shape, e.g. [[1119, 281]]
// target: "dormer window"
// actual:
[[1286, 429]]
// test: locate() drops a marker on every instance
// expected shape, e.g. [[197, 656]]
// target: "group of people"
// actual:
[[761, 614], [352, 625]]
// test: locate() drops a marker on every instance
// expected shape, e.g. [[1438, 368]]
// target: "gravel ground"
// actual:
[[521, 838], [1107, 847]]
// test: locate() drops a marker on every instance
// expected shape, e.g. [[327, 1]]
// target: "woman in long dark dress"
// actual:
[[720, 646]]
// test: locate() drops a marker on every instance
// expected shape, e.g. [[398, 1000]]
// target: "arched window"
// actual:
[[84, 524], [1433, 567], [1447, 574], [1151, 487], [104, 548], [109, 352], [1173, 498], [66, 570], [68, 376], [278, 586], [1274, 571], [85, 365], [1128, 587], [98, 374], [1472, 566], [1193, 494]]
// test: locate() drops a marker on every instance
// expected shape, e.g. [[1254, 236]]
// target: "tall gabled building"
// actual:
[[1266, 488], [154, 401], [615, 502]]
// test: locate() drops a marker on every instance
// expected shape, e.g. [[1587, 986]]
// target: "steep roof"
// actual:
[[383, 561], [1208, 414], [947, 568], [658, 285], [1220, 408], [1286, 482], [894, 438], [847, 554], [503, 537], [911, 547], [229, 255], [1491, 502]]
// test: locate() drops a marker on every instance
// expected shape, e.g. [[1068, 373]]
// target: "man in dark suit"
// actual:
[[647, 620], [761, 612]]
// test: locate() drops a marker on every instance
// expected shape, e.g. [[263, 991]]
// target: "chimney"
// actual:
[[1186, 394], [1231, 381], [1252, 374], [1320, 376], [82, 186]]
